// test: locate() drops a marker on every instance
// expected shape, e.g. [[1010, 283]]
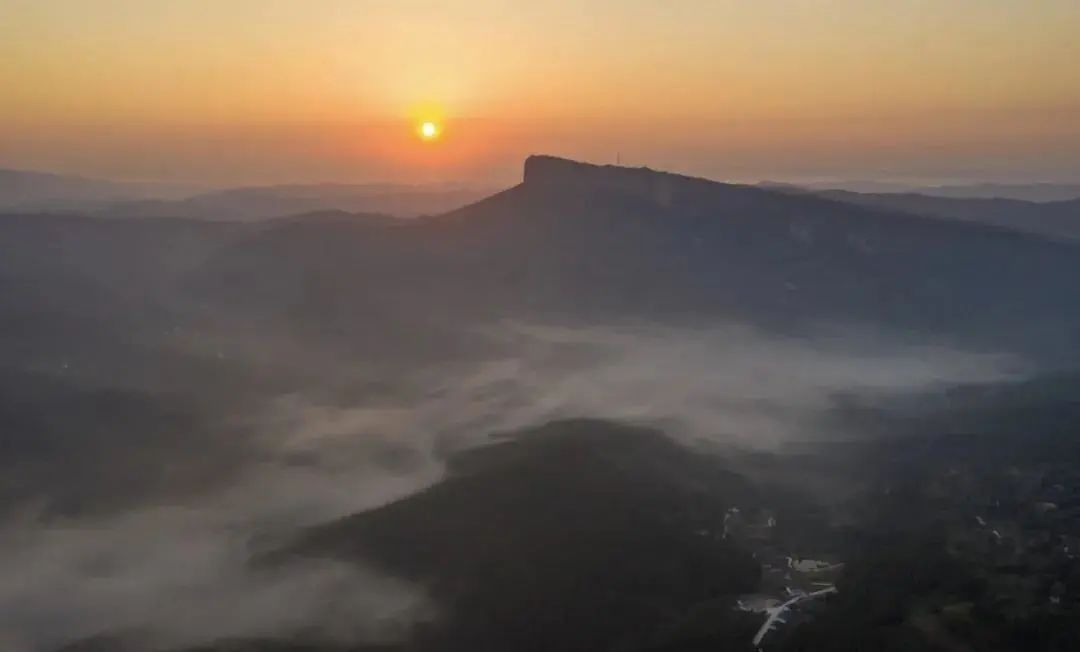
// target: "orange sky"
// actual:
[[237, 91]]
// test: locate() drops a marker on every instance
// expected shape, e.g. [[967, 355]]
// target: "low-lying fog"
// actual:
[[175, 572]]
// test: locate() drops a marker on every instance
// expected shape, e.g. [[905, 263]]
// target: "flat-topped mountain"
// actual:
[[578, 241]]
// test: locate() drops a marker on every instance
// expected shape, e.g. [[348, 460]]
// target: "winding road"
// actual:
[[776, 613]]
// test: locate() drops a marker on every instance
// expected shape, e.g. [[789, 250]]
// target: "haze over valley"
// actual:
[[192, 393], [492, 326]]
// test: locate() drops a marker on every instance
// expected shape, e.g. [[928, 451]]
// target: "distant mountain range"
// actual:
[[1059, 219], [1049, 209], [579, 241], [22, 191], [257, 203], [1036, 192], [583, 240]]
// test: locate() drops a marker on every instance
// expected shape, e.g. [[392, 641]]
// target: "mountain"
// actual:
[[571, 242], [1034, 192], [22, 191], [1060, 219], [34, 190], [1037, 192], [256, 203], [249, 422], [199, 310], [28, 189], [579, 535], [583, 242]]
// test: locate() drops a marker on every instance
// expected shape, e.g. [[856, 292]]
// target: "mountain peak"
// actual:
[[542, 171], [545, 169]]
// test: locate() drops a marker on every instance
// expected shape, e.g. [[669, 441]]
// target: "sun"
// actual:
[[429, 130]]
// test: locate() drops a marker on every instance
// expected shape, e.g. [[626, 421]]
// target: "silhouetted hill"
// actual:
[[579, 535], [1059, 219], [22, 190], [1036, 192], [339, 218], [1030, 192], [572, 242], [257, 203], [583, 241]]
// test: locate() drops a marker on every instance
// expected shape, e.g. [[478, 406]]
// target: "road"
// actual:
[[776, 614]]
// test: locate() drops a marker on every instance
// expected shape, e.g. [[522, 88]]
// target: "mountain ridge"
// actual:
[[1059, 219], [668, 190], [575, 239], [578, 241]]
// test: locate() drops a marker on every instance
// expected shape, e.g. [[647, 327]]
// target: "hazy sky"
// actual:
[[231, 91]]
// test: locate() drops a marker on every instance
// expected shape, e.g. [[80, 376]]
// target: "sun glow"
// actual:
[[429, 130]]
